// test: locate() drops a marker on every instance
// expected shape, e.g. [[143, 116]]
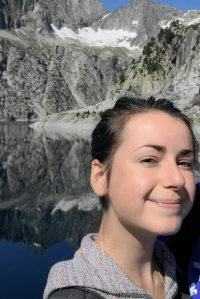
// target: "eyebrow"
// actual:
[[162, 149], [159, 148], [186, 152]]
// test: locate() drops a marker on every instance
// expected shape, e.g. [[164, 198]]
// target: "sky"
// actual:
[[111, 5]]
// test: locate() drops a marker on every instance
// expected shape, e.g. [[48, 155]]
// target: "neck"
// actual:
[[131, 249]]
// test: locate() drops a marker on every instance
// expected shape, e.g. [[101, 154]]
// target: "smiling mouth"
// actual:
[[176, 204]]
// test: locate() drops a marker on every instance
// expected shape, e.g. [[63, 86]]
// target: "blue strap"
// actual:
[[194, 269], [198, 185], [194, 272]]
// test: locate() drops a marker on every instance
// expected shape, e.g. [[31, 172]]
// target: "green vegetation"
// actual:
[[85, 114], [159, 54], [134, 64], [148, 48], [122, 78], [195, 26], [195, 117], [166, 36], [152, 65], [82, 115], [156, 51], [60, 116]]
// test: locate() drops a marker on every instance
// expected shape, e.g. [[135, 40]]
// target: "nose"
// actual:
[[173, 177]]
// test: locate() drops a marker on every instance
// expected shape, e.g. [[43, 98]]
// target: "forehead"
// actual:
[[157, 126]]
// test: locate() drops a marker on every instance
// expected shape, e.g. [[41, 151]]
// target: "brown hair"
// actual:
[[106, 137]]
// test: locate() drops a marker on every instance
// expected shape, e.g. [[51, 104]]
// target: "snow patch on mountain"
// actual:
[[134, 22], [195, 21], [106, 16], [164, 24], [100, 38], [181, 19]]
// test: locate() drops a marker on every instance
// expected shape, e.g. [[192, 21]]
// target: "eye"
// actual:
[[186, 164], [148, 161]]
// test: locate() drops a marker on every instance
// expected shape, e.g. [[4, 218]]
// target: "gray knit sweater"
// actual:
[[93, 268]]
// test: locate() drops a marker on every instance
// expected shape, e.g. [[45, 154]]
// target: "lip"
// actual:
[[169, 204]]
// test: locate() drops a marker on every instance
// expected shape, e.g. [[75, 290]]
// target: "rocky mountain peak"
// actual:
[[69, 54], [37, 14], [143, 17]]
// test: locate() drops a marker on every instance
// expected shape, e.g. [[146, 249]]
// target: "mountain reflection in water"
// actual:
[[45, 197]]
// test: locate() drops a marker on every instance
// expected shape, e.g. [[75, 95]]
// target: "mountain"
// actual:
[[39, 14], [60, 56], [143, 17], [169, 68]]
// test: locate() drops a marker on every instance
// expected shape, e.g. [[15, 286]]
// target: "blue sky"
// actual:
[[111, 5]]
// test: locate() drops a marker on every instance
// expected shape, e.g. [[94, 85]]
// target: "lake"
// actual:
[[46, 206]]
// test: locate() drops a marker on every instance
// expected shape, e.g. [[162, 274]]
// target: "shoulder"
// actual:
[[74, 293], [75, 272]]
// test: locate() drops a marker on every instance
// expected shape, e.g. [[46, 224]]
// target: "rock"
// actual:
[[168, 69], [144, 17], [44, 71], [45, 80], [39, 14]]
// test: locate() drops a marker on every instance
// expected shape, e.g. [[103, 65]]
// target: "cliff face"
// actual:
[[44, 80], [57, 56], [35, 14], [169, 68]]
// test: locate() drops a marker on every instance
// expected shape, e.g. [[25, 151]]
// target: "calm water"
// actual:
[[46, 206]]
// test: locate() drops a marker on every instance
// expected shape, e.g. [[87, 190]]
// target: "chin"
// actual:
[[172, 229]]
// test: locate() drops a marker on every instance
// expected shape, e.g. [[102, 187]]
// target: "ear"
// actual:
[[98, 178]]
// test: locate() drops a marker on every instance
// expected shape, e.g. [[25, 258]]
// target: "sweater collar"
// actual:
[[119, 282], [93, 268]]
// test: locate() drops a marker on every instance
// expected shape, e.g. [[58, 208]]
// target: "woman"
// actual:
[[143, 157]]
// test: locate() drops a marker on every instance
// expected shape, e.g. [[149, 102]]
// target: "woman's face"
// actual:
[[151, 185]]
